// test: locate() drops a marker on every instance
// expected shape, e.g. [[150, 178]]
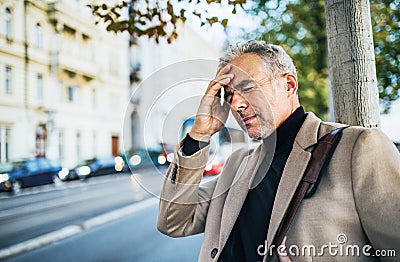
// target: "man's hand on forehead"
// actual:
[[221, 70], [243, 87]]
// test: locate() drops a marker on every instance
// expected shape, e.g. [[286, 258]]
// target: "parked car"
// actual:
[[95, 167], [27, 173], [214, 165], [165, 158], [217, 158], [139, 158]]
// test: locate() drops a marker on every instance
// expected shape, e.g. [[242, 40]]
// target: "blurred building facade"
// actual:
[[168, 82], [64, 82], [154, 118]]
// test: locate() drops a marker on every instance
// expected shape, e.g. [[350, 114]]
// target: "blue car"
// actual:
[[27, 173], [95, 167]]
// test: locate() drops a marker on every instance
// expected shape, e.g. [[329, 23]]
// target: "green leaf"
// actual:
[[224, 22]]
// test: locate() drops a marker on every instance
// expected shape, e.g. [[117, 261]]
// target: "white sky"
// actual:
[[390, 123]]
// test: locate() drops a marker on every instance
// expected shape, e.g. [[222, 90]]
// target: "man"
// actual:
[[354, 212]]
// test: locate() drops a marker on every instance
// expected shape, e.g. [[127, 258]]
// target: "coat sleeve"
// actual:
[[184, 200], [376, 187]]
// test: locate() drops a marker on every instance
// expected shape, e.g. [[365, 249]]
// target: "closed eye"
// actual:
[[246, 86], [247, 89]]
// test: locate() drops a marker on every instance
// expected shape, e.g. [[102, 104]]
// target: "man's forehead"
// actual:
[[247, 66], [247, 78], [247, 61]]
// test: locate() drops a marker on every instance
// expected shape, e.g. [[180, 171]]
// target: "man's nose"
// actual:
[[238, 102]]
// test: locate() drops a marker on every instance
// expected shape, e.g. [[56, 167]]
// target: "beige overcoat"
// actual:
[[356, 205]]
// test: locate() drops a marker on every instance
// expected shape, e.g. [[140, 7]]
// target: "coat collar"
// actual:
[[293, 171], [308, 133], [238, 192]]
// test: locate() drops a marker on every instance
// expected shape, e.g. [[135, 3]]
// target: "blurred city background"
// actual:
[[89, 118]]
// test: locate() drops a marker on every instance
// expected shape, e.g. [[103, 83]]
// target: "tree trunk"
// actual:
[[352, 62]]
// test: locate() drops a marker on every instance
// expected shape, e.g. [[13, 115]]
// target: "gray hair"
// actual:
[[276, 60]]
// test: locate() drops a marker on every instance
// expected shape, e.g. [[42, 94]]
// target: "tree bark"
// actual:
[[352, 62]]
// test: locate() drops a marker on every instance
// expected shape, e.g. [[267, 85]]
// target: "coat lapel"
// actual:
[[238, 192], [293, 172]]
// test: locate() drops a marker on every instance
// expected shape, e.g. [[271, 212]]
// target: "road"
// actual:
[[133, 237]]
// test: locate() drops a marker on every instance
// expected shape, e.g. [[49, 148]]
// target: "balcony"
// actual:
[[78, 64]]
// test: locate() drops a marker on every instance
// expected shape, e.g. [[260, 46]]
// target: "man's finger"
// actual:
[[222, 79], [223, 70], [216, 85]]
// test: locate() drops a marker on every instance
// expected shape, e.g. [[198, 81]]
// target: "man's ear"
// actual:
[[291, 83]]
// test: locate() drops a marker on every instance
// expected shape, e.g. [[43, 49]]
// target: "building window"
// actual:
[[4, 143], [39, 36], [7, 23], [41, 140], [73, 93], [7, 80], [115, 145], [113, 101], [71, 43], [94, 98], [114, 64], [94, 143], [78, 146], [60, 91], [61, 153], [39, 86], [92, 51]]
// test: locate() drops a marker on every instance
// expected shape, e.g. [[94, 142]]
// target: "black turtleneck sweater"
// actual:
[[250, 229]]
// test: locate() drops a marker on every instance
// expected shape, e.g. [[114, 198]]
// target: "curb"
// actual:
[[75, 229], [39, 241]]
